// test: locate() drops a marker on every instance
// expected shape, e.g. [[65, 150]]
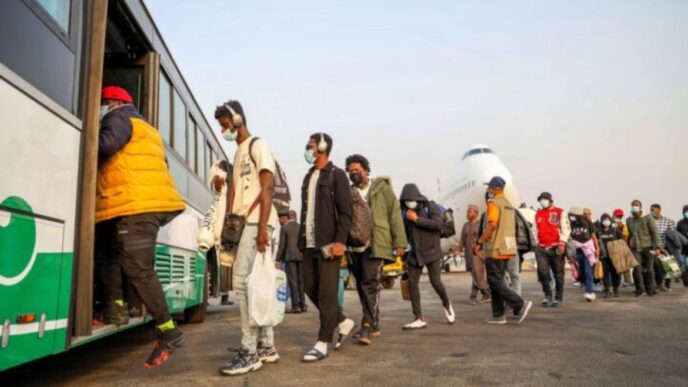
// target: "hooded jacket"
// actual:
[[424, 234], [388, 225]]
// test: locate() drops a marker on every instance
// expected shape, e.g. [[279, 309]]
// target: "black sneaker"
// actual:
[[116, 315], [268, 355], [364, 335], [547, 302], [555, 304], [243, 363], [168, 341]]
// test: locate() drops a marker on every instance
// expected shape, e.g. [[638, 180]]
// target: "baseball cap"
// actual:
[[496, 181], [545, 195]]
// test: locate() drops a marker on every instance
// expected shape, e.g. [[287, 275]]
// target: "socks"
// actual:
[[166, 326], [321, 346], [119, 302], [346, 326]]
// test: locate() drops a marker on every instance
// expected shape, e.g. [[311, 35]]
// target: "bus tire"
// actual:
[[196, 313], [388, 283]]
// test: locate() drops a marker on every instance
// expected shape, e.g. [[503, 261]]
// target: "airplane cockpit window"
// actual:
[[477, 151]]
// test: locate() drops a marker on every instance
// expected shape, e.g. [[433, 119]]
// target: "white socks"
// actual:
[[321, 346], [346, 326]]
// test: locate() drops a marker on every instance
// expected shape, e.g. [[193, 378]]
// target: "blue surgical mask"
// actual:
[[606, 223], [685, 214], [411, 204], [309, 155], [229, 135], [104, 109], [544, 203], [635, 209]]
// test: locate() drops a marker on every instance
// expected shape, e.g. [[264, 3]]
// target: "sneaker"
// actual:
[[589, 296], [547, 302], [268, 355], [641, 294], [243, 363], [376, 332], [168, 342], [576, 284], [418, 324], [472, 301], [594, 297], [555, 304], [225, 300], [116, 315], [524, 311], [496, 320], [449, 314], [485, 299], [364, 335]]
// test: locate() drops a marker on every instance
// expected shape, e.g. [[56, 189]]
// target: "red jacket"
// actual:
[[549, 225]]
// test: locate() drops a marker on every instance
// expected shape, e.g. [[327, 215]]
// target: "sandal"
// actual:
[[341, 338], [313, 355]]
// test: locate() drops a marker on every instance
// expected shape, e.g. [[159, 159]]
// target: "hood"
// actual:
[[410, 192], [379, 182]]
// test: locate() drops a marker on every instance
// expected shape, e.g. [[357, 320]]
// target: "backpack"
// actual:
[[361, 221], [448, 229], [281, 198], [523, 237]]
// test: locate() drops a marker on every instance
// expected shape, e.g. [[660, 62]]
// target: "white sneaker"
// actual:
[[449, 314], [589, 296], [594, 297], [418, 324]]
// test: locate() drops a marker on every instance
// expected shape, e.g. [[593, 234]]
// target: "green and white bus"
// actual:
[[55, 56]]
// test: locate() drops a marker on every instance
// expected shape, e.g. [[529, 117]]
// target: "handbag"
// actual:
[[234, 224], [599, 270], [405, 291]]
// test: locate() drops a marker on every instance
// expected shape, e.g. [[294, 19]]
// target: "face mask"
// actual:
[[573, 218], [685, 214], [229, 135], [411, 204], [309, 156], [490, 195], [618, 219], [544, 203], [635, 209], [606, 223], [356, 178], [653, 214], [104, 109]]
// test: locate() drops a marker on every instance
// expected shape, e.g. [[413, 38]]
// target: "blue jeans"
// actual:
[[586, 276]]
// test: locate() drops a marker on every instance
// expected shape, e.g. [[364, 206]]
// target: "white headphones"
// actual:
[[322, 144], [237, 119]]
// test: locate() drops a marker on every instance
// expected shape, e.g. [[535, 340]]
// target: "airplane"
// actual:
[[466, 185]]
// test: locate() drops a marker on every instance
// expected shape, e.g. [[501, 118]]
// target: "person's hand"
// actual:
[[561, 249], [263, 240], [476, 249], [218, 183], [663, 251], [400, 251], [597, 253], [411, 215], [337, 250]]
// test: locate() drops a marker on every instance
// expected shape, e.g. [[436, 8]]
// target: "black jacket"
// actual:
[[116, 130], [424, 234], [288, 250], [333, 207]]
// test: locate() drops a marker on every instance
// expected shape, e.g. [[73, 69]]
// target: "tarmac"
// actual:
[[625, 341]]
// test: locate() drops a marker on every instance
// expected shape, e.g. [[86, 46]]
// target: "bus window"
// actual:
[[130, 78], [165, 109], [200, 154], [58, 10], [191, 143], [208, 159], [179, 125]]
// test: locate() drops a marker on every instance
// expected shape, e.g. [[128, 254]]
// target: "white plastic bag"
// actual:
[[211, 227], [266, 287]]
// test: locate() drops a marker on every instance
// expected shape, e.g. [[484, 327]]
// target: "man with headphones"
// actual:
[[251, 198], [326, 213]]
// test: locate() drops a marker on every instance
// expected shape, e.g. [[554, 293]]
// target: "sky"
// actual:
[[585, 99]]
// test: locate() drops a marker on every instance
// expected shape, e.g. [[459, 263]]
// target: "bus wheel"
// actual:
[[196, 313], [388, 283]]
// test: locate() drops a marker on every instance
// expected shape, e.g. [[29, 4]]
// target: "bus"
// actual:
[[55, 57]]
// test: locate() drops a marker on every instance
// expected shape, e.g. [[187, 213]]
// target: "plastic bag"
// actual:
[[267, 292], [211, 227]]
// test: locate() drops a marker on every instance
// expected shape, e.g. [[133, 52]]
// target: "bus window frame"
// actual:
[[70, 37]]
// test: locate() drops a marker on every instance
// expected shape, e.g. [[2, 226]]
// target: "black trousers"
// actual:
[[501, 294], [296, 284], [126, 245], [546, 259], [368, 274], [660, 273], [321, 277], [644, 275], [611, 278], [435, 274]]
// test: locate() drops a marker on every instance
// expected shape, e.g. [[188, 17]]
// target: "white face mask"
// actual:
[[572, 218], [606, 223], [310, 157], [104, 109], [544, 203], [411, 204], [635, 209], [229, 135]]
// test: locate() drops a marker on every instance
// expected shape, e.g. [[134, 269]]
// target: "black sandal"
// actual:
[[317, 356]]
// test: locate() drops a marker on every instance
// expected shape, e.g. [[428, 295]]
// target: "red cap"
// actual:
[[618, 213], [117, 93]]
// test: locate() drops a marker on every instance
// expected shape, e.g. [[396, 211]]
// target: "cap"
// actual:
[[473, 207], [116, 93], [618, 213], [545, 195], [496, 182], [576, 211]]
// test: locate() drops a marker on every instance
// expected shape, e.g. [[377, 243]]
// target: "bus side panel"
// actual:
[[178, 271], [39, 173]]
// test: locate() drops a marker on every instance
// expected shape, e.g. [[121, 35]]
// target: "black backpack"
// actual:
[[448, 229], [523, 233], [281, 198]]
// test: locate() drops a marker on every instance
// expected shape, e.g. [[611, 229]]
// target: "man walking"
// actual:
[[288, 254], [553, 232], [467, 241], [499, 243], [326, 212], [644, 240], [387, 236], [664, 224]]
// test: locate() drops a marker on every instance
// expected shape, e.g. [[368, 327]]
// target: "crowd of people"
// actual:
[[348, 215]]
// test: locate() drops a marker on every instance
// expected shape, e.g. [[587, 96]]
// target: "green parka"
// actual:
[[388, 226]]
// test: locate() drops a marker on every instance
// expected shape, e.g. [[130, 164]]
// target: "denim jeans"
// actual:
[[512, 268], [585, 268], [246, 255]]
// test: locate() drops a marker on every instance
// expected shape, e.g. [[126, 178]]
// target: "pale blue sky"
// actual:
[[586, 99]]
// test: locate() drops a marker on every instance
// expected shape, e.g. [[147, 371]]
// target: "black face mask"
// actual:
[[356, 178]]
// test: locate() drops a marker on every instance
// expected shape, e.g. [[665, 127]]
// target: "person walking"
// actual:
[[607, 233], [467, 240], [664, 224], [423, 223], [498, 241], [618, 222], [587, 248], [136, 196], [288, 254], [387, 241], [644, 241], [553, 233], [326, 215]]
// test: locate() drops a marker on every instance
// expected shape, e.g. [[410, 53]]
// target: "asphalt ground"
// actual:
[[625, 341]]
